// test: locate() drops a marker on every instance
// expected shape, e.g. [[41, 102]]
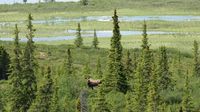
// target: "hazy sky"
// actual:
[[29, 1]]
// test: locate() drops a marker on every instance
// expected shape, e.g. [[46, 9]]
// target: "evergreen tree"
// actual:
[[84, 2], [95, 42], [101, 104], [165, 76], [1, 104], [153, 98], [179, 63], [55, 100], [29, 68], [129, 102], [196, 69], [25, 1], [98, 69], [44, 95], [116, 78], [79, 41], [15, 77], [143, 74], [86, 70], [128, 66], [69, 63], [4, 63], [187, 105]]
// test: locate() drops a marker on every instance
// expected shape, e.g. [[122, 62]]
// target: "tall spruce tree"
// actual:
[[128, 66], [95, 41], [116, 78], [69, 63], [153, 97], [16, 95], [29, 68], [101, 105], [196, 69], [4, 63], [79, 40], [55, 107], [44, 96], [165, 76], [98, 69], [143, 74], [187, 104]]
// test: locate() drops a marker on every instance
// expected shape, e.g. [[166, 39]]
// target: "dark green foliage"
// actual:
[[15, 77], [55, 107], [1, 104], [4, 63], [84, 2], [98, 71], [196, 70], [95, 42], [29, 68], [143, 74], [116, 78], [165, 76], [100, 102], [86, 70], [69, 63], [187, 103], [128, 67], [79, 40], [153, 98], [44, 95], [179, 64], [129, 102]]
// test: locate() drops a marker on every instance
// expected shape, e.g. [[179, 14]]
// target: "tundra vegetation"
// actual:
[[137, 73]]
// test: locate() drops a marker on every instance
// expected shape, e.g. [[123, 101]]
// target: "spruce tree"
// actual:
[[179, 64], [153, 97], [129, 102], [44, 95], [95, 42], [98, 69], [55, 100], [78, 41], [116, 78], [15, 77], [101, 105], [165, 76], [1, 104], [84, 2], [29, 68], [187, 104], [143, 74], [69, 63], [4, 63], [196, 69], [128, 66]]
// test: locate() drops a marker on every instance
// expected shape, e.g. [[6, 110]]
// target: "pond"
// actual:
[[87, 33], [61, 20]]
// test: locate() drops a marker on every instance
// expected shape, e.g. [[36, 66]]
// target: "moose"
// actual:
[[93, 83]]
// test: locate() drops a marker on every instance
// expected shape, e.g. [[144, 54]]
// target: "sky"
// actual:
[[29, 1]]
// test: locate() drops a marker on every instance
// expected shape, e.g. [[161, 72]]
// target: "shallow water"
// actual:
[[61, 20], [88, 33]]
